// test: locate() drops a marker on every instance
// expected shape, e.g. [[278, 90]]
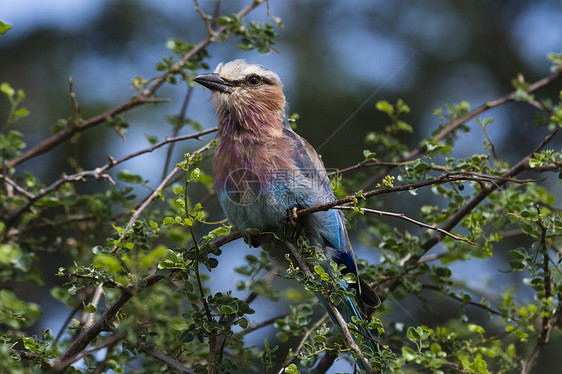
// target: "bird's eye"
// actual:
[[254, 80]]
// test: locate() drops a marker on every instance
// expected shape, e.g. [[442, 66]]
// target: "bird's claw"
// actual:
[[292, 217]]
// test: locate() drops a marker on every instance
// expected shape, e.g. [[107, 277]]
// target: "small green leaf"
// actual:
[[476, 328], [90, 308], [226, 309], [385, 106], [319, 270], [4, 27], [107, 262], [408, 353], [7, 89], [413, 334], [350, 278], [168, 221], [292, 369], [243, 322]]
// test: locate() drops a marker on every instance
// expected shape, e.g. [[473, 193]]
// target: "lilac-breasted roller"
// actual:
[[262, 169]]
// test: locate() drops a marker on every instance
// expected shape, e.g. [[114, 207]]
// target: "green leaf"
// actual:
[[7, 89], [292, 369], [518, 253], [126, 176], [90, 308], [226, 309], [168, 221], [20, 113], [4, 27], [350, 278], [413, 334], [319, 270], [107, 262], [385, 106], [408, 353], [243, 322], [476, 328]]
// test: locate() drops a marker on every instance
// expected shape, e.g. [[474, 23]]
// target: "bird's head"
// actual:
[[244, 89]]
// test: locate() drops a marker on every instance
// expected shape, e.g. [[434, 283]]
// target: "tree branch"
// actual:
[[406, 218], [68, 132], [336, 313], [548, 322], [89, 334], [152, 196], [98, 173], [170, 361], [454, 176], [487, 189], [455, 124], [460, 299]]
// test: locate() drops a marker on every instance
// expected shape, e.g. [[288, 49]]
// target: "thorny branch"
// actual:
[[336, 313], [486, 190], [103, 323], [68, 132], [456, 176], [455, 124], [406, 218], [99, 173], [152, 196], [460, 299], [296, 352], [170, 361]]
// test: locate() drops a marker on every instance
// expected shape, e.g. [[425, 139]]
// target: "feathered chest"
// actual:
[[249, 163], [260, 174]]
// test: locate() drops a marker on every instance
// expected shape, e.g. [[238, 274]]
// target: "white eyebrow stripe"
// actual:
[[239, 70]]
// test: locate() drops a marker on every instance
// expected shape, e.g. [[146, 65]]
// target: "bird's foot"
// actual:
[[292, 216]]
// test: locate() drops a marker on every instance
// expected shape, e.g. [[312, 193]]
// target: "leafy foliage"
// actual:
[[137, 282]]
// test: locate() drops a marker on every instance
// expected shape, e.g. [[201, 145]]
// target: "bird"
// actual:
[[264, 172]]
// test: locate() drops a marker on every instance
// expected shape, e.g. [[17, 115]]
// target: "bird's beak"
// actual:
[[213, 82]]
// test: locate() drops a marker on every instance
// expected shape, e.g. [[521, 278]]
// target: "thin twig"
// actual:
[[548, 322], [16, 186], [256, 326], [295, 353], [456, 176], [460, 299], [95, 301], [30, 356], [269, 276], [205, 19], [152, 196], [107, 342], [99, 173], [68, 132], [177, 127], [213, 333], [492, 147], [406, 218], [170, 361], [543, 338], [73, 102]]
